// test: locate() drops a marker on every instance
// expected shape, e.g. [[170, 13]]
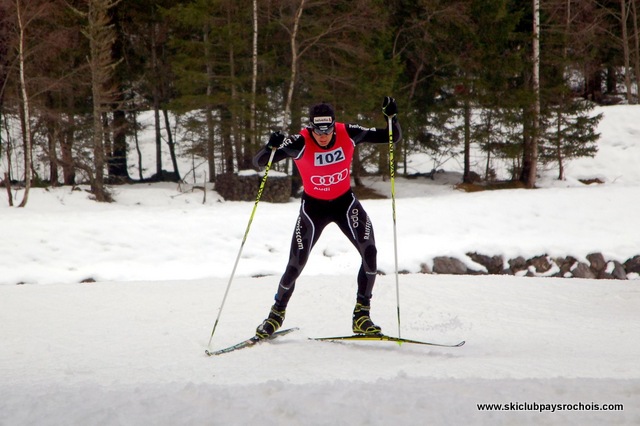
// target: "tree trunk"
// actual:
[[624, 18], [210, 144], [98, 149], [53, 135], [560, 114], [227, 144], [101, 38], [636, 47], [7, 184], [356, 167], [530, 157], [25, 107], [559, 156], [466, 175], [134, 120], [253, 144], [118, 169], [235, 119], [171, 143], [210, 139], [66, 149], [9, 162], [156, 103]]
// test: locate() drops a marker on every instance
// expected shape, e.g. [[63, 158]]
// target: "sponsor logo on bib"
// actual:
[[328, 180]]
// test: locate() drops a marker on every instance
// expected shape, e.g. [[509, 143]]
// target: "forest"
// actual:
[[516, 79]]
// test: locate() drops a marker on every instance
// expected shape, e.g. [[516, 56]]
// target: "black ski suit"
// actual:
[[321, 204]]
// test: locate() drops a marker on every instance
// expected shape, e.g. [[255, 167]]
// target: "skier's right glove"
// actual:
[[389, 106], [275, 140]]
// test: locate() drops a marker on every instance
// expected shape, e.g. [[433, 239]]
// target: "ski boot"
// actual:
[[362, 323], [271, 324]]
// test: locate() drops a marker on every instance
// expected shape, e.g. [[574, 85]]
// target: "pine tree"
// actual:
[[570, 133]]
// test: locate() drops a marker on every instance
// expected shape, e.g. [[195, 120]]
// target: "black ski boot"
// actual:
[[362, 323], [271, 324]]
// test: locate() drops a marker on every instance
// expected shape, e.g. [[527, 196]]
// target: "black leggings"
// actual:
[[345, 211]]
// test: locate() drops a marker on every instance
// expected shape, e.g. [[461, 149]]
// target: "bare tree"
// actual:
[[296, 53], [624, 18], [325, 38], [101, 35], [26, 15], [533, 170], [4, 48], [22, 24]]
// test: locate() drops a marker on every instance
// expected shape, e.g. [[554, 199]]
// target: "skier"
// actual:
[[323, 152]]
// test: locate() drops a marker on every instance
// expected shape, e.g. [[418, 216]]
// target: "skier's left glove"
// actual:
[[389, 106]]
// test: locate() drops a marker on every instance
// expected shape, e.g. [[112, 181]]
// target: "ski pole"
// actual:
[[392, 175], [244, 239]]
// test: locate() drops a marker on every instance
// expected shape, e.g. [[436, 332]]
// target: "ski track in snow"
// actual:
[[133, 353]]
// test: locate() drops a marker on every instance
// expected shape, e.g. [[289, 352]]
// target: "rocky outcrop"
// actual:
[[595, 267], [244, 186]]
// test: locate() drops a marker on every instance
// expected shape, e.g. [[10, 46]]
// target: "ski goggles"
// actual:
[[322, 130]]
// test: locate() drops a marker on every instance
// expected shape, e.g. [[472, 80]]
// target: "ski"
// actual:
[[250, 342], [384, 337]]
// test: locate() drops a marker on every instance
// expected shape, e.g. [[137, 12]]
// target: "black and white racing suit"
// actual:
[[320, 206]]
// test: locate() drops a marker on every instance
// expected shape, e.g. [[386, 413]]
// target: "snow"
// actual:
[[127, 347]]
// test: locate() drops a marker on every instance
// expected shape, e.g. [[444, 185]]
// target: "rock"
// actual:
[[494, 264], [633, 265], [541, 264], [245, 185], [518, 264], [449, 265], [582, 270], [597, 263], [565, 264], [613, 270], [424, 268]]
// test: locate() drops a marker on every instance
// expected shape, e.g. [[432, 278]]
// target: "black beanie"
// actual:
[[322, 116]]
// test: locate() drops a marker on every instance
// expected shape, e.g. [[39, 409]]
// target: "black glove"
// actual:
[[389, 106], [275, 140]]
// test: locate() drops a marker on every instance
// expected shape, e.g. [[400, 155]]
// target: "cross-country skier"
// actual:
[[323, 152]]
